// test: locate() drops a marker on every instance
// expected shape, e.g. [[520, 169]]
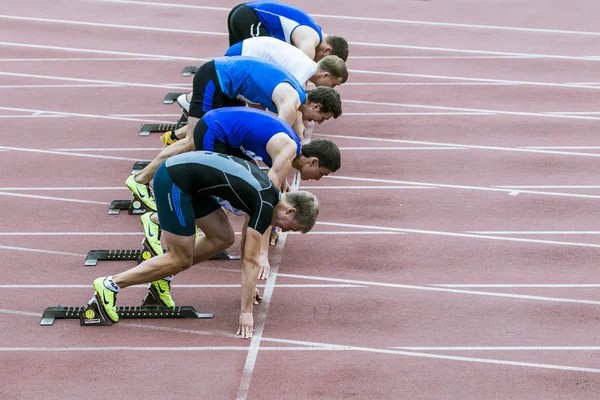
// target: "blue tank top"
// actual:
[[281, 19], [253, 80], [248, 129]]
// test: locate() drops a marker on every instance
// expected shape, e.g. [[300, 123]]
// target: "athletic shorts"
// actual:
[[235, 50], [205, 139], [243, 23], [177, 211], [207, 94]]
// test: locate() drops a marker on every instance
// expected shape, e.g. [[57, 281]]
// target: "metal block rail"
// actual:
[[146, 129], [190, 70]]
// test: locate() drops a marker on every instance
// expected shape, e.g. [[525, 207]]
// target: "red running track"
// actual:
[[456, 252]]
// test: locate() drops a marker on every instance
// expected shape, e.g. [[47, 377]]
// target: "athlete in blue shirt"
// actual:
[[284, 22], [224, 81], [185, 187]]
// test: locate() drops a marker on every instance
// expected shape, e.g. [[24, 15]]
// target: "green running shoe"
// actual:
[[108, 299], [152, 232], [163, 289], [141, 191]]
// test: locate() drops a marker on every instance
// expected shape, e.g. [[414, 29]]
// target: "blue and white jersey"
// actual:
[[253, 80], [288, 57], [281, 19], [248, 129]]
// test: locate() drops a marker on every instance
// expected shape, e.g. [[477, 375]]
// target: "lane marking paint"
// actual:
[[61, 253], [520, 285], [205, 286], [67, 153], [32, 196], [373, 19]]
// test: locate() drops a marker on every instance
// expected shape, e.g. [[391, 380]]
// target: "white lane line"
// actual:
[[62, 78], [536, 232], [458, 234], [564, 147], [445, 58], [70, 114], [462, 146], [461, 78], [80, 59], [31, 196], [464, 51], [206, 286], [519, 285], [79, 50], [575, 113], [428, 83], [56, 86], [503, 348], [62, 253], [403, 148], [134, 348], [114, 149], [436, 356], [67, 153], [391, 114], [444, 289], [372, 19], [140, 233], [551, 187], [103, 25], [31, 116], [481, 188], [365, 187], [383, 45], [424, 106], [63, 188]]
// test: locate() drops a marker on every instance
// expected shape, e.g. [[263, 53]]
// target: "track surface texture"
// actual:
[[456, 254]]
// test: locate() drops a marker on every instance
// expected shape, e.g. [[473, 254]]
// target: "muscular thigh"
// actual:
[[243, 23], [175, 208]]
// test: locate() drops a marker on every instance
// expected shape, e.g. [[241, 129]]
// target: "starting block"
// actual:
[[138, 166], [190, 70], [171, 97], [146, 253], [133, 207], [146, 129], [94, 315]]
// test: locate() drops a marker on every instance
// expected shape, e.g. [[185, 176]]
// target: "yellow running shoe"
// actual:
[[141, 191], [108, 299], [166, 139], [152, 232], [163, 289]]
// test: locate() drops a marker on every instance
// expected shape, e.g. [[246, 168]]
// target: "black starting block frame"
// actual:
[[146, 129], [190, 70], [170, 98], [94, 315], [133, 207], [146, 253]]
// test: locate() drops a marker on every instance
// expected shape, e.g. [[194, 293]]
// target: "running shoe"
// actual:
[[166, 138], [152, 232], [163, 289], [184, 103], [141, 192], [108, 299]]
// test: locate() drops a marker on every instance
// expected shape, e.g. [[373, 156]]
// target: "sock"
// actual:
[[111, 285], [168, 278]]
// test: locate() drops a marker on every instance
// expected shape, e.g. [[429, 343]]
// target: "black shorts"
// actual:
[[177, 211], [207, 94], [204, 139], [243, 23]]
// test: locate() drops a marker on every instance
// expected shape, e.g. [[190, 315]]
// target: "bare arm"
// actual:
[[299, 127], [282, 150], [250, 269], [287, 101], [306, 39]]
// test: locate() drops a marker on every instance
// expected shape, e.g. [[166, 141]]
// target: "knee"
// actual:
[[180, 261], [224, 240]]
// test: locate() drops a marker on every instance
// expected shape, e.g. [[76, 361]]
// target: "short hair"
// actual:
[[307, 209], [328, 98], [339, 46], [327, 152], [335, 66]]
